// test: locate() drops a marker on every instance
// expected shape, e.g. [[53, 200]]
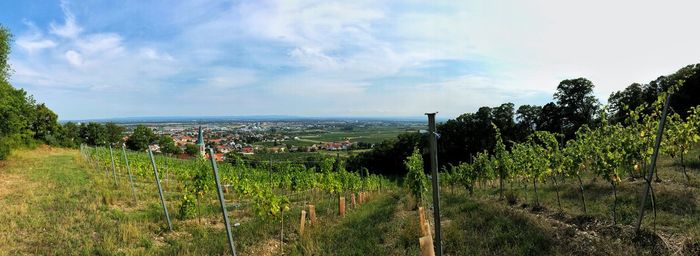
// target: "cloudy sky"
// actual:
[[101, 59]]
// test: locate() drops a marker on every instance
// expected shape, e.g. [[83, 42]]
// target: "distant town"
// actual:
[[266, 137]]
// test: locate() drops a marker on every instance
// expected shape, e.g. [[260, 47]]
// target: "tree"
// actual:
[[5, 45], [576, 103], [191, 149], [140, 138], [21, 120], [504, 118], [622, 101], [114, 134], [45, 123], [550, 118], [94, 134], [70, 135], [167, 145], [526, 117]]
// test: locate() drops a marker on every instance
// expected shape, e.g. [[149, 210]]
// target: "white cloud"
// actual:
[[74, 58], [70, 28], [152, 54], [360, 57], [102, 43], [227, 78], [32, 45]]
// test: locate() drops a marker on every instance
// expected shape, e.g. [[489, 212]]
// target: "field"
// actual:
[[372, 135], [57, 203]]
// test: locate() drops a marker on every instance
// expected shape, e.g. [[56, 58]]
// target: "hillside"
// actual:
[[55, 203]]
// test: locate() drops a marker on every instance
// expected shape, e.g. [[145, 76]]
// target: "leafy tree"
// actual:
[[71, 135], [504, 118], [94, 134], [622, 101], [167, 145], [576, 103], [191, 149], [526, 117], [114, 134], [5, 45], [140, 138], [550, 118], [416, 180], [45, 123]]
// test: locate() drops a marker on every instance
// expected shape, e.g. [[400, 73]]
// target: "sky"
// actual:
[[105, 59]]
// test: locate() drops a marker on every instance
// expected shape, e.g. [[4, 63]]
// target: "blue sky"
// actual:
[[102, 59]]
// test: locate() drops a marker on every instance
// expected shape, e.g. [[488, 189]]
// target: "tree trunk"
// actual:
[[556, 187], [653, 204], [501, 185], [537, 198], [583, 198], [614, 202], [687, 178], [282, 231]]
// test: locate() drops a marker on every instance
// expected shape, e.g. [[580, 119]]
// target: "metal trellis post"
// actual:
[[648, 178], [128, 169], [160, 190], [435, 180], [221, 200], [114, 171]]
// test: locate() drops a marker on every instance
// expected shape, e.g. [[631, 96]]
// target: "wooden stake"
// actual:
[[341, 206], [426, 246], [301, 222], [312, 214], [353, 203], [421, 221]]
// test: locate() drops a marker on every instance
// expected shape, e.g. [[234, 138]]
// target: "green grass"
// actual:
[[55, 203]]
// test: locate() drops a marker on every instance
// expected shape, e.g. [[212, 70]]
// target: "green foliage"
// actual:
[[192, 149], [5, 45], [140, 138], [45, 123], [416, 180], [70, 135], [4, 149], [114, 134], [167, 145], [187, 207], [94, 134], [22, 121]]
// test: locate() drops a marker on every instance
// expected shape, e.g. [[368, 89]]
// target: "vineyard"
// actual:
[[264, 195], [540, 196]]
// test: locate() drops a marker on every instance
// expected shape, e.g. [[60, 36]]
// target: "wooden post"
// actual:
[[421, 222], [353, 203], [426, 246], [301, 222], [341, 206], [312, 214]]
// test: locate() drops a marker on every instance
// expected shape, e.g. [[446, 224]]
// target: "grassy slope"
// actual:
[[53, 203]]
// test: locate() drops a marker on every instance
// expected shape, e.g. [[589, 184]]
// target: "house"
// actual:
[[247, 150], [219, 157], [154, 148]]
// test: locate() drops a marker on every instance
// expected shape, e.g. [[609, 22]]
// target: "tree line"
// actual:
[[573, 106], [23, 121]]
